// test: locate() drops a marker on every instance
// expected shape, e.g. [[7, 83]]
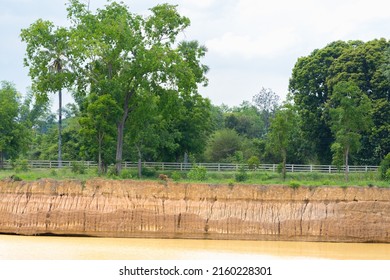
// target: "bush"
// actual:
[[126, 174], [149, 172], [384, 167], [176, 176], [253, 162], [388, 174], [294, 185], [111, 171], [20, 165], [241, 176], [197, 173], [78, 168]]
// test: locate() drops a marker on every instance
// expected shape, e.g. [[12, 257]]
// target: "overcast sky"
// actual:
[[251, 43]]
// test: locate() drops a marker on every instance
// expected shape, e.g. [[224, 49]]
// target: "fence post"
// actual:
[[273, 167], [219, 167], [292, 168], [311, 168], [330, 169]]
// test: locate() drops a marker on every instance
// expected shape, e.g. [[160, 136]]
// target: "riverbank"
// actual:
[[131, 208]]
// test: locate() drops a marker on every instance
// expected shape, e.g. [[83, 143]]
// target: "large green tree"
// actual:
[[14, 136], [126, 55], [350, 116], [47, 56], [282, 133], [314, 78], [97, 129]]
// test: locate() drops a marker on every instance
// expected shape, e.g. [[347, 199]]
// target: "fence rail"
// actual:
[[178, 166]]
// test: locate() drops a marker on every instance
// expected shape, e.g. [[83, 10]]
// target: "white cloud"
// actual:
[[268, 44]]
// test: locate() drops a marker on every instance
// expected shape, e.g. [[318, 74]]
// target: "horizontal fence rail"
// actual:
[[179, 166]]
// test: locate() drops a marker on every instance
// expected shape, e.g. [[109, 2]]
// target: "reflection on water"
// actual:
[[80, 248]]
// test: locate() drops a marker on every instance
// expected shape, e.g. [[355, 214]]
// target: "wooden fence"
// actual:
[[178, 166]]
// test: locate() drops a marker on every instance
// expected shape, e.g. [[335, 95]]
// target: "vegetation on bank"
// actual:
[[137, 97], [198, 174]]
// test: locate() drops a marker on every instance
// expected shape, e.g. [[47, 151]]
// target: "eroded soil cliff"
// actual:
[[152, 209]]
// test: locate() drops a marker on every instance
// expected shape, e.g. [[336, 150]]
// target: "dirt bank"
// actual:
[[177, 210]]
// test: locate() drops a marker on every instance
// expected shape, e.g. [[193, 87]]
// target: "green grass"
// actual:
[[228, 178]]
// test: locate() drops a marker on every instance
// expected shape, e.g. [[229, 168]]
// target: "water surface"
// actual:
[[13, 247]]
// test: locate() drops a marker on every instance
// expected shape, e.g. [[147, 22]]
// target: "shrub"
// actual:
[[253, 162], [126, 174], [20, 165], [388, 174], [15, 178], [78, 168], [294, 185], [175, 176], [111, 171], [149, 172], [241, 176], [197, 173], [384, 167]]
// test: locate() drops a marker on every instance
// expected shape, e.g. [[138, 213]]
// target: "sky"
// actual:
[[251, 43]]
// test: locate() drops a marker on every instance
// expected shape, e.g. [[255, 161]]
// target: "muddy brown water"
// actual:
[[13, 247]]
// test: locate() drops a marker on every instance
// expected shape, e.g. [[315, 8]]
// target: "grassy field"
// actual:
[[231, 178]]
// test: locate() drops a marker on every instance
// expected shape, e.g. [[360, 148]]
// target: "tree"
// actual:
[[14, 136], [127, 55], [96, 124], [350, 115], [223, 144], [309, 89], [47, 56], [312, 84], [267, 103], [246, 120], [281, 133]]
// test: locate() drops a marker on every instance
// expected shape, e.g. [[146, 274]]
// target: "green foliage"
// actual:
[[176, 176], [78, 168], [253, 162], [294, 184], [313, 82], [281, 133], [20, 165], [149, 172], [223, 145], [126, 174], [242, 175], [385, 168], [388, 175], [197, 173], [14, 136], [350, 116]]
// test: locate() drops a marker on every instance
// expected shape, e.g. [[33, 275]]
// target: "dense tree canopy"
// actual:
[[116, 52], [312, 84]]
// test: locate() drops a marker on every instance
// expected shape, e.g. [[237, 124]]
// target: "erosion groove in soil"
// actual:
[[110, 208]]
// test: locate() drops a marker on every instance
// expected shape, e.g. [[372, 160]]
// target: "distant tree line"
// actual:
[[136, 98]]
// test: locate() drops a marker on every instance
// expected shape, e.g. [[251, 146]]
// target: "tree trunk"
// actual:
[[346, 164], [119, 146], [100, 163], [139, 162], [60, 129], [120, 130], [284, 164]]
